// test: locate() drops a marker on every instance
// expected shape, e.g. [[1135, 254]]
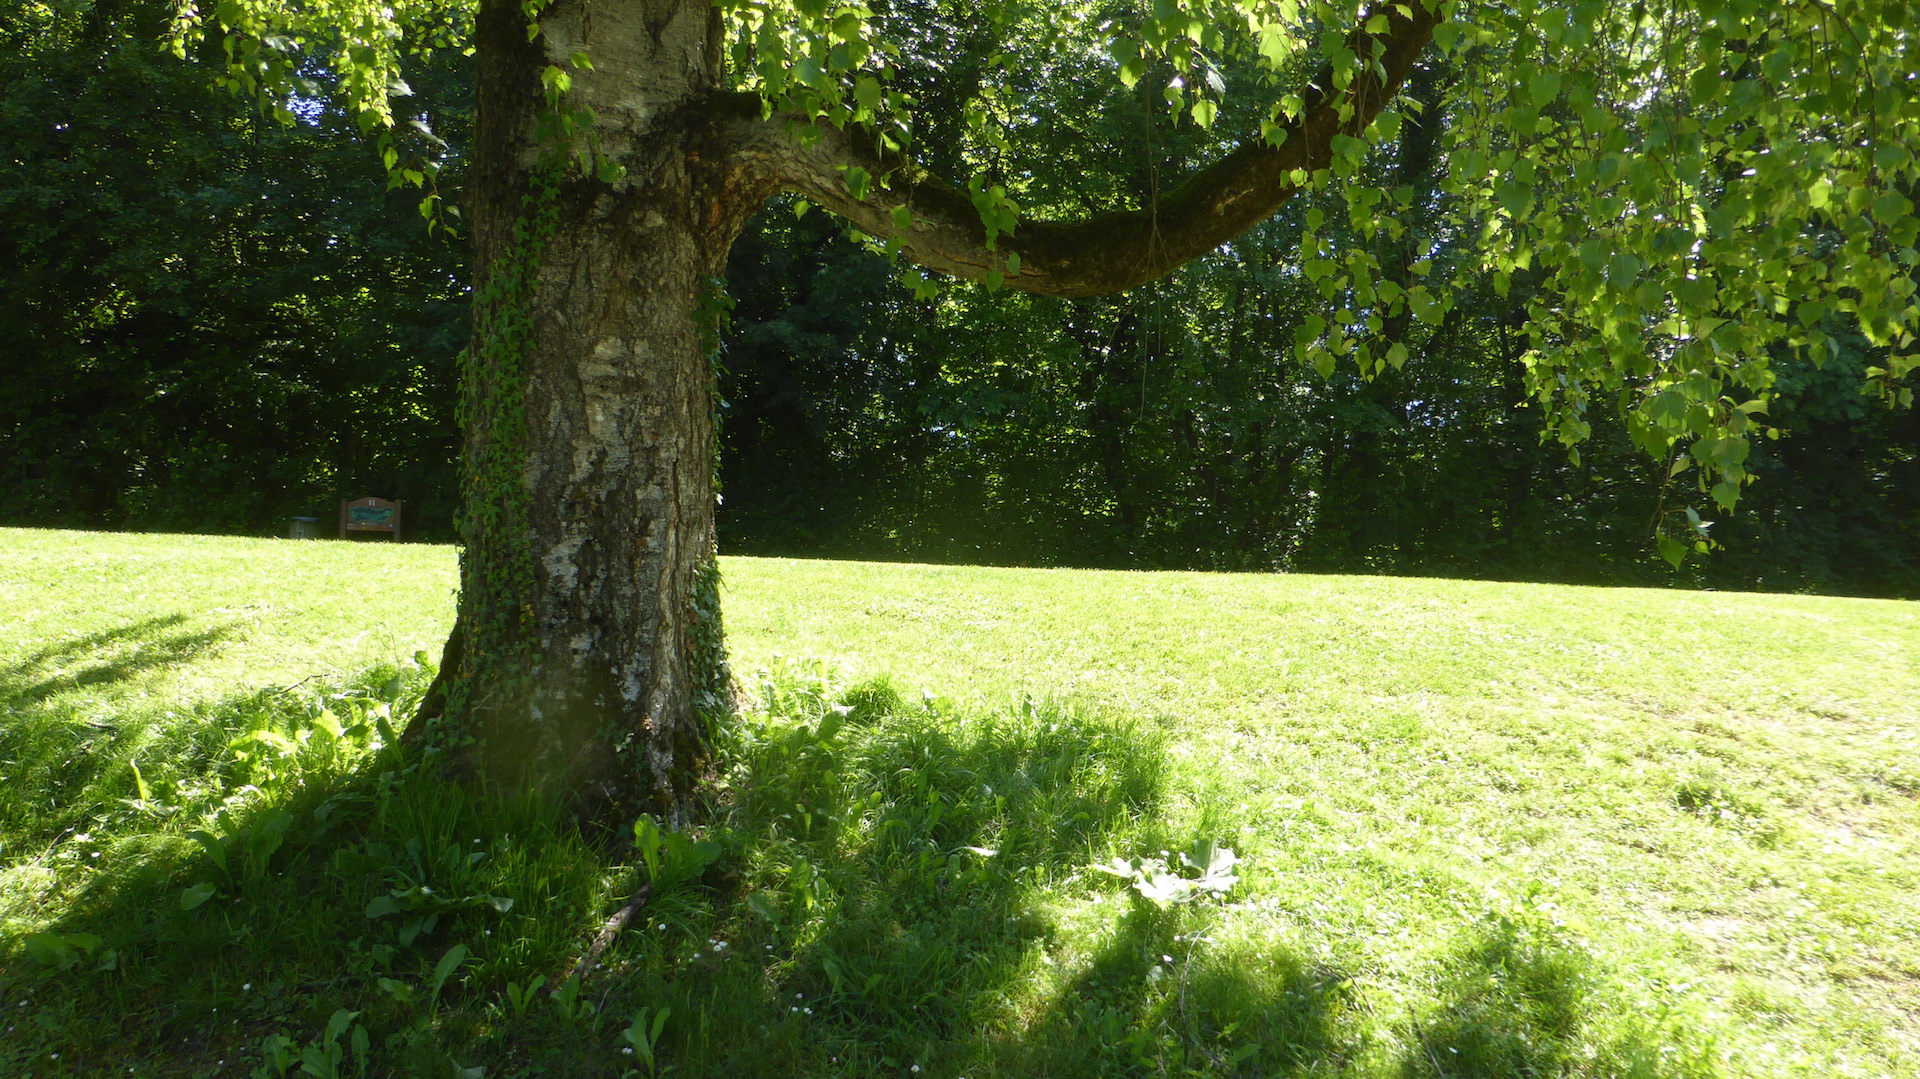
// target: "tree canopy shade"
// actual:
[[1689, 192]]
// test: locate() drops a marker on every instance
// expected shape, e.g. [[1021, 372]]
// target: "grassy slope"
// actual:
[[1488, 829], [209, 613], [1721, 778], [1714, 786]]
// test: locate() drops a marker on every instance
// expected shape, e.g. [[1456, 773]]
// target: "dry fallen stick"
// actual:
[[609, 931]]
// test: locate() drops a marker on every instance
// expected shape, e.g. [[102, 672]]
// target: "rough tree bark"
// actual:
[[575, 667], [588, 511]]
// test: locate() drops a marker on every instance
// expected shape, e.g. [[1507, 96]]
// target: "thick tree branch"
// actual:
[[1109, 252]]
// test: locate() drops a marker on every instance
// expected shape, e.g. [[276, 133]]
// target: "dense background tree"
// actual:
[[212, 321], [159, 380], [860, 422]]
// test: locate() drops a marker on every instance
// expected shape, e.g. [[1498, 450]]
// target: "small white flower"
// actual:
[[916, 1069], [246, 986], [628, 1050]]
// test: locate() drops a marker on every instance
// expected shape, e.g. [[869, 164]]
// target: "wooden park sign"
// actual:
[[370, 515]]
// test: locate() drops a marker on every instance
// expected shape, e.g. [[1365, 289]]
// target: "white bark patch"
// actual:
[[603, 420], [559, 560], [628, 84], [595, 457], [609, 356]]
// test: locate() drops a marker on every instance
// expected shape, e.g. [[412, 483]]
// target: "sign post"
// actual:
[[370, 515]]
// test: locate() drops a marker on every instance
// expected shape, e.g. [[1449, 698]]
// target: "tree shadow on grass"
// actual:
[[105, 658], [57, 752], [1518, 1001], [903, 916], [221, 895], [1159, 998], [902, 886], [884, 865], [1512, 1004]]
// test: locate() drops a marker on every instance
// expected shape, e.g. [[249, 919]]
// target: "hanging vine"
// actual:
[[711, 674], [488, 654], [496, 619]]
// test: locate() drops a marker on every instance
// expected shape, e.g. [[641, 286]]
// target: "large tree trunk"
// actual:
[[586, 632]]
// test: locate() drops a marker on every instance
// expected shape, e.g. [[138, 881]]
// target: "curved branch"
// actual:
[[1109, 252]]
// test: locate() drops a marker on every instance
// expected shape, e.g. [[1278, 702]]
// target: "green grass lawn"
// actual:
[[1483, 830]]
